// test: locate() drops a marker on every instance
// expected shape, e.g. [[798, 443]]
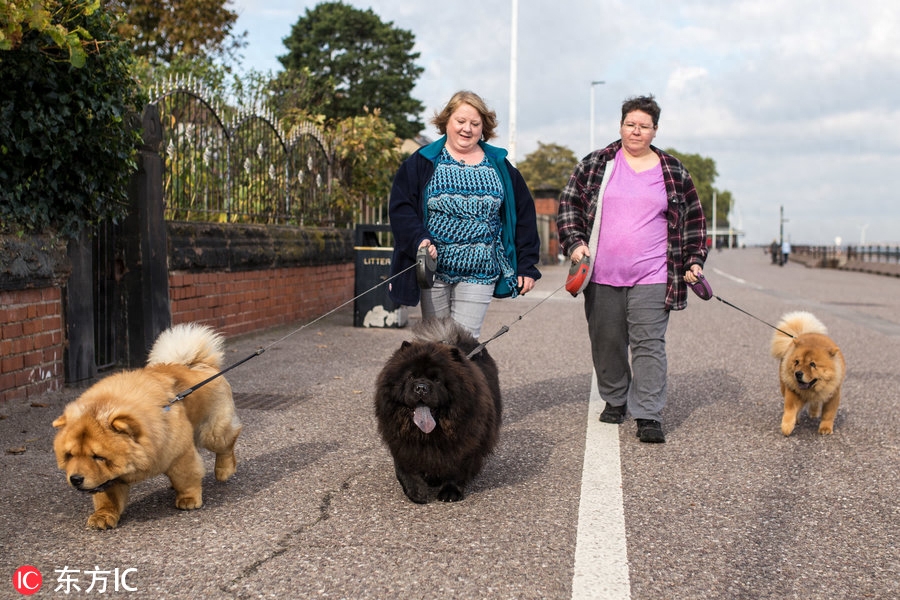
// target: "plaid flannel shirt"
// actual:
[[578, 203]]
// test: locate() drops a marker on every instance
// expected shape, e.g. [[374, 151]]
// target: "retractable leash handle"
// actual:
[[702, 288], [425, 268], [576, 281]]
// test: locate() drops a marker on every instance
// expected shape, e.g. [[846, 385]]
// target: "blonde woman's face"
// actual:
[[464, 129]]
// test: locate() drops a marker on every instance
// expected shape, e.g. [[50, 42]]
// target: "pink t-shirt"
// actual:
[[631, 247]]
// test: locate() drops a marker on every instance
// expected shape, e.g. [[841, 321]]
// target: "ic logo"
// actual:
[[27, 580]]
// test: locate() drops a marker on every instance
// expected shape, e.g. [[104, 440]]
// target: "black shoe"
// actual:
[[650, 431], [613, 414]]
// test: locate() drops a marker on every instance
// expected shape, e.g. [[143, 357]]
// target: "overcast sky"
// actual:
[[797, 101]]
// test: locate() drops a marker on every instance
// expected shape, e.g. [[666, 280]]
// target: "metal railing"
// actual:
[[875, 254], [233, 166], [836, 256]]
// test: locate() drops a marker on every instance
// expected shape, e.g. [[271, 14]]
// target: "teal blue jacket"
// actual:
[[407, 214]]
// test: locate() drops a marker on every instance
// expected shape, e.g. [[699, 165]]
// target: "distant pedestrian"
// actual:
[[773, 250], [785, 251]]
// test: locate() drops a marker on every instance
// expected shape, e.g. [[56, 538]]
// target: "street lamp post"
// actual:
[[593, 84], [513, 79]]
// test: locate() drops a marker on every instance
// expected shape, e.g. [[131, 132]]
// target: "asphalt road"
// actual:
[[727, 508]]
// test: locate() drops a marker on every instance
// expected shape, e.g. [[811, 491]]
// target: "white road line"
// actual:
[[736, 279], [601, 552]]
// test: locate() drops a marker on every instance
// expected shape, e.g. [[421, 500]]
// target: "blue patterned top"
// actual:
[[463, 216]]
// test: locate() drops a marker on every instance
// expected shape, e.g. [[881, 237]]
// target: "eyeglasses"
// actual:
[[635, 126]]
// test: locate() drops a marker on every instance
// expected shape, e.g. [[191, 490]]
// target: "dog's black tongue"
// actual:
[[423, 418]]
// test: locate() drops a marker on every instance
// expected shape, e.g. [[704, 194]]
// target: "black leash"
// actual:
[[505, 328], [190, 390], [704, 291], [182, 395], [720, 299]]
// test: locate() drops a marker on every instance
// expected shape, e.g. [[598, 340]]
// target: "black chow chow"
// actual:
[[438, 411]]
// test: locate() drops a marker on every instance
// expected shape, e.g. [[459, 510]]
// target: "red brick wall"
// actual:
[[32, 336], [32, 340], [243, 301], [548, 207]]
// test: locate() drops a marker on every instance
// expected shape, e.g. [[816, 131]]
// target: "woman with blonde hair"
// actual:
[[463, 200]]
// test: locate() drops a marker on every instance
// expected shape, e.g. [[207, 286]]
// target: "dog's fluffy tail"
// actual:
[[444, 330], [794, 323], [189, 344]]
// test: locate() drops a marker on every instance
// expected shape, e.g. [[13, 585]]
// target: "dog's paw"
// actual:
[[787, 427], [103, 519], [188, 502], [416, 494], [450, 493], [226, 465], [826, 428]]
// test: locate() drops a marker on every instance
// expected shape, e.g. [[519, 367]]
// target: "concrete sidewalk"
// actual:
[[727, 508]]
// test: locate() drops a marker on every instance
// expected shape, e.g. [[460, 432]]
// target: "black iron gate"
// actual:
[[107, 302]]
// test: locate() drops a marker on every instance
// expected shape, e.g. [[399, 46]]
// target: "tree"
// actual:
[[67, 147], [355, 61], [291, 96], [164, 29], [367, 153], [703, 172], [548, 166]]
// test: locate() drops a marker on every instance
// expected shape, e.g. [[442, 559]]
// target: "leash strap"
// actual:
[[720, 299], [182, 395], [189, 391], [481, 346], [505, 328]]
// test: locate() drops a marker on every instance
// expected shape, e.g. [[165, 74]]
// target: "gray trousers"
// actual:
[[632, 318], [465, 303]]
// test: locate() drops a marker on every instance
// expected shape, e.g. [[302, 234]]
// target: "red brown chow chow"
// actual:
[[124, 428], [811, 370]]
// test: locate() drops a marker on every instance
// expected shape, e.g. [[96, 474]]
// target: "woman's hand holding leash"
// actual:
[[694, 274]]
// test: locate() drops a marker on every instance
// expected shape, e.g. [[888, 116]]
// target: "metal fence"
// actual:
[[240, 166], [874, 254], [835, 256]]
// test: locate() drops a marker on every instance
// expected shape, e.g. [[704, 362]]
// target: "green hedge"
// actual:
[[67, 144]]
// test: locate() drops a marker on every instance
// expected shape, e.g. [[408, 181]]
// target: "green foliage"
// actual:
[[548, 167], [703, 172], [65, 38], [355, 61], [367, 151], [67, 147], [292, 96]]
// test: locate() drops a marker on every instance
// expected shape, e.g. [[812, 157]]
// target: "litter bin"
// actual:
[[373, 306]]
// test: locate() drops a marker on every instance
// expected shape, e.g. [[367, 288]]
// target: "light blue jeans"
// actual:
[[466, 303], [632, 318]]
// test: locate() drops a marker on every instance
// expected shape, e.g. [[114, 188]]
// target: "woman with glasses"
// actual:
[[632, 211]]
